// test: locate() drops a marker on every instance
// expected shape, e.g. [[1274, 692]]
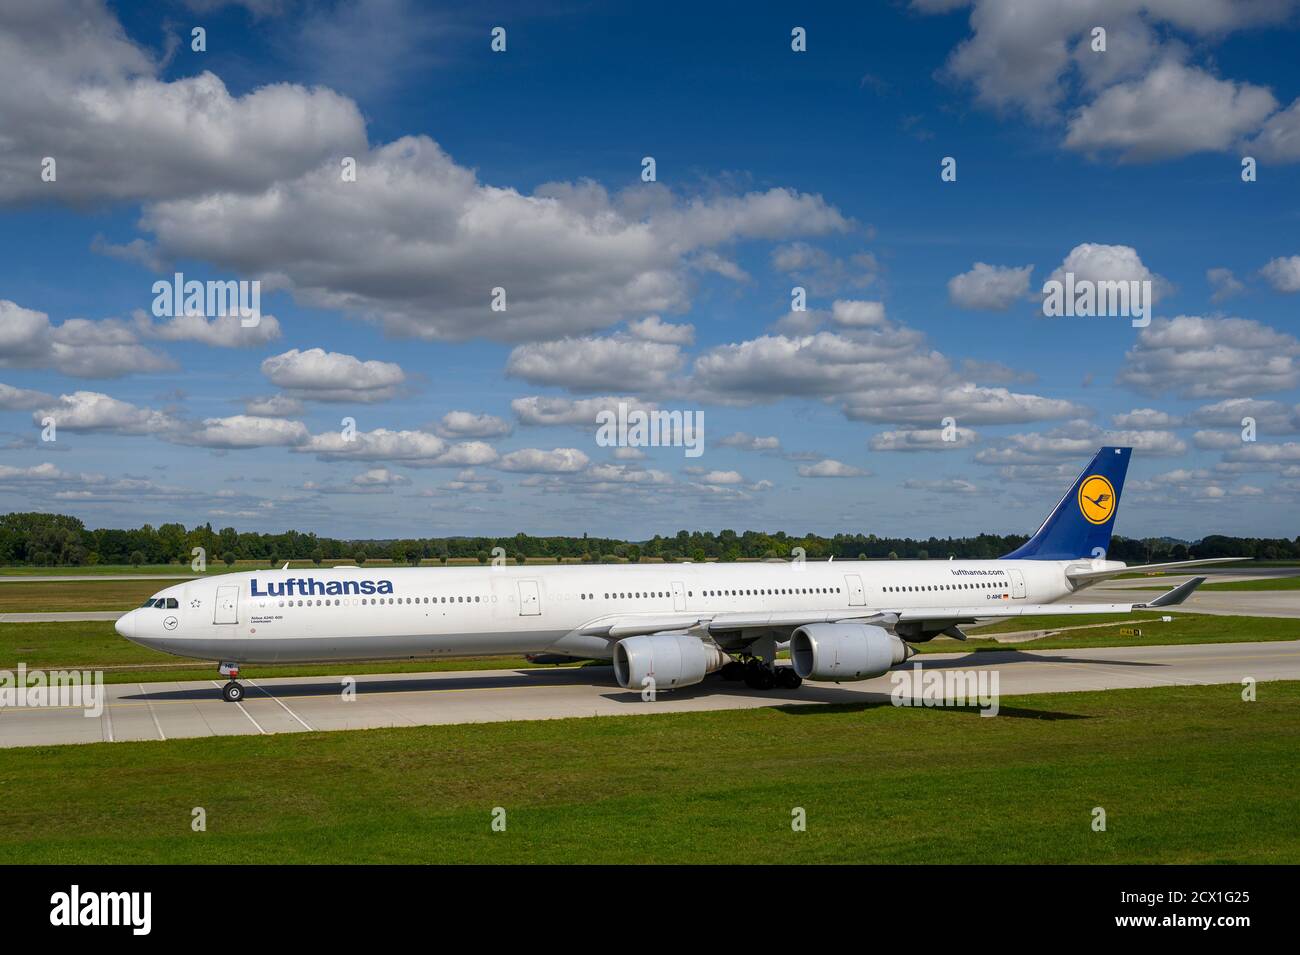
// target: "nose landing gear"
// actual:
[[232, 692]]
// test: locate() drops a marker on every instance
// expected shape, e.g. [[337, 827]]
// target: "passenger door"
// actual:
[[227, 606], [1017, 584], [679, 595], [530, 599], [857, 596]]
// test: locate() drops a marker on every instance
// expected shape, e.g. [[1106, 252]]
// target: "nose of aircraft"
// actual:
[[126, 625]]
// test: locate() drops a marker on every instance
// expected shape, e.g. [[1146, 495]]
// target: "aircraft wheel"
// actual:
[[732, 671], [787, 679], [759, 677], [232, 692]]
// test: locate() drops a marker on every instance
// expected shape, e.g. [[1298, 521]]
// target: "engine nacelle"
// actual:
[[842, 652], [673, 660]]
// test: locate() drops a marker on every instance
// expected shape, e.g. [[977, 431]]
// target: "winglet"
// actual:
[[1172, 598]]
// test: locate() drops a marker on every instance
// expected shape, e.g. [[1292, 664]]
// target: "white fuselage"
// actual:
[[271, 616]]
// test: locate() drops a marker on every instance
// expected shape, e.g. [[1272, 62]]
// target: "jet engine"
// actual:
[[843, 652], [673, 660]]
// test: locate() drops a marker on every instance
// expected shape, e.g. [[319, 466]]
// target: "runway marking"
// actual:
[[108, 719], [245, 712], [286, 709], [157, 725], [1109, 666]]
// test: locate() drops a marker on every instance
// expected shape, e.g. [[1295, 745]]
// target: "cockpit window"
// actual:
[[150, 602], [172, 603]]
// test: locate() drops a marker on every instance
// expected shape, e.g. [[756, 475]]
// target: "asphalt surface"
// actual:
[[159, 711]]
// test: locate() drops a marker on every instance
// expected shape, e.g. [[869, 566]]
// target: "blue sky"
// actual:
[[522, 169]]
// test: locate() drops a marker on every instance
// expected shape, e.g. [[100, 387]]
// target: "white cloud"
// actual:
[[1077, 439], [416, 449], [882, 375], [990, 287], [1033, 56], [554, 411], [538, 461], [750, 442], [1095, 262], [857, 314], [21, 399], [374, 481], [1260, 452], [653, 329], [467, 424], [830, 468], [318, 375], [1224, 283], [922, 440], [1216, 440], [1270, 416], [720, 477], [1279, 138], [1283, 273], [1196, 357], [417, 243], [470, 481], [76, 87], [93, 411], [1173, 111], [1145, 419], [273, 406], [595, 364], [79, 347], [823, 273], [73, 86], [941, 485], [244, 431], [224, 331]]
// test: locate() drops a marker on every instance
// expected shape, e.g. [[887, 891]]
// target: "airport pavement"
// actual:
[[1233, 603], [158, 711]]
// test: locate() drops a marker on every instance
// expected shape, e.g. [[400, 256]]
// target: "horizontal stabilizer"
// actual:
[[1083, 572], [1172, 598]]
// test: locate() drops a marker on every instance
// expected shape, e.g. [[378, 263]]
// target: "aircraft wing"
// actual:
[[955, 615], [1084, 574], [632, 625]]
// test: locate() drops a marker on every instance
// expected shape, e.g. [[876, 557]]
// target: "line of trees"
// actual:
[[46, 540]]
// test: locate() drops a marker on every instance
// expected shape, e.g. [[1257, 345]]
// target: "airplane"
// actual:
[[665, 626]]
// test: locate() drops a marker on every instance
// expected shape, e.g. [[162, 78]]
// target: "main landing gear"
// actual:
[[232, 692], [758, 675]]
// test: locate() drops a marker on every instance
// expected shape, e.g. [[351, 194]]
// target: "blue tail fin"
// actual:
[[1081, 524]]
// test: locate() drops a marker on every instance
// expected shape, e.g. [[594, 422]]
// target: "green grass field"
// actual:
[[63, 596], [1276, 583], [1185, 775]]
